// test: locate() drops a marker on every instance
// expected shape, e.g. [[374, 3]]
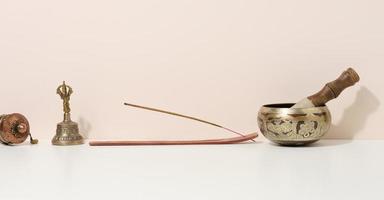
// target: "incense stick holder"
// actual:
[[288, 126]]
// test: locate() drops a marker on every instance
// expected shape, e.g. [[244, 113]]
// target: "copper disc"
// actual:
[[14, 129]]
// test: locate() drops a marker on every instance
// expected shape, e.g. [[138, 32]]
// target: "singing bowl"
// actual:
[[288, 126]]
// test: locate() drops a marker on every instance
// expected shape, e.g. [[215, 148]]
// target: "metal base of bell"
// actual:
[[67, 133]]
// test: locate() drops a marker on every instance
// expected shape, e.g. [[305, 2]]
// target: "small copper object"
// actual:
[[67, 131], [234, 140], [15, 129]]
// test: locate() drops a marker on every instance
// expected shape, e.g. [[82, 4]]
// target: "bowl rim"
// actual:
[[286, 108]]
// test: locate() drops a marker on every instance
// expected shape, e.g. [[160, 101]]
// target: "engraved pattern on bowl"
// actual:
[[293, 126]]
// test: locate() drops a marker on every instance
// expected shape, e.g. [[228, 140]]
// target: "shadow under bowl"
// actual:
[[288, 126]]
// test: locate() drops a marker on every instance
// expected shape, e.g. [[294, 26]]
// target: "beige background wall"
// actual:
[[218, 60]]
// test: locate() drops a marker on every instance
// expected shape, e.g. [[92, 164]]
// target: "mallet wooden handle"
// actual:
[[333, 89]]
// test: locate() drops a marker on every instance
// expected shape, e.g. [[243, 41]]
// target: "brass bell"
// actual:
[[67, 131]]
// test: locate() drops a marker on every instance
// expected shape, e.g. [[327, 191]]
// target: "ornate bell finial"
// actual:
[[65, 93]]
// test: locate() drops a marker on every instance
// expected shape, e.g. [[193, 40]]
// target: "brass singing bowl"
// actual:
[[288, 126]]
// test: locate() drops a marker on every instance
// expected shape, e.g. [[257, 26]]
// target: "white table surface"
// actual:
[[328, 170]]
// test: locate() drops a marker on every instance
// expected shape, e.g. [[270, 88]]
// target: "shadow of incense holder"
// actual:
[[239, 139]]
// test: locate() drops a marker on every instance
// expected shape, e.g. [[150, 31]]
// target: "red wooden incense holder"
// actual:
[[241, 138]]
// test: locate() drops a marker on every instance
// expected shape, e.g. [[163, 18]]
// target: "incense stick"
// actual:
[[185, 116]]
